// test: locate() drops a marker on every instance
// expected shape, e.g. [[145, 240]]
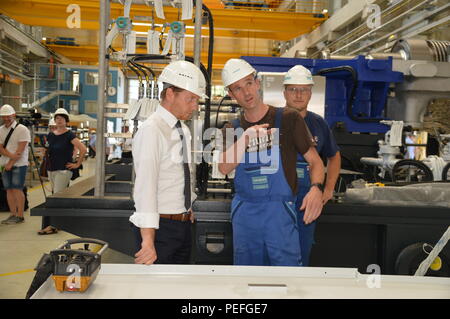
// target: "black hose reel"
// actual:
[[411, 257]]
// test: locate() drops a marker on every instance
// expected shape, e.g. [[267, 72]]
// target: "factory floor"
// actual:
[[21, 247]]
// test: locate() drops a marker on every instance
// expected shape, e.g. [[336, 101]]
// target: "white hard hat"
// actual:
[[184, 75], [7, 110], [62, 111], [298, 75], [234, 70]]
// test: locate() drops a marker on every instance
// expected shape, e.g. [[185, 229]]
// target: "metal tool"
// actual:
[[76, 269]]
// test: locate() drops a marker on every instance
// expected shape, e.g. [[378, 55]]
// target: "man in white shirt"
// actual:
[[126, 144], [163, 192], [13, 162]]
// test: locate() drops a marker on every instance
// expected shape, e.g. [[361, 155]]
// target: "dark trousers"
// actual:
[[127, 155], [91, 152], [173, 241]]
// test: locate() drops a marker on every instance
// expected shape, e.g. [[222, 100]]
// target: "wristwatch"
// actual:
[[319, 186]]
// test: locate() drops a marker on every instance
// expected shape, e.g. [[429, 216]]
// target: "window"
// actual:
[[133, 90], [73, 104], [218, 91], [90, 106], [62, 75], [75, 81], [92, 78]]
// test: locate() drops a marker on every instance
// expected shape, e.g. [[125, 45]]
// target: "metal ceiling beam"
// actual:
[[89, 53], [218, 33], [32, 11], [23, 39]]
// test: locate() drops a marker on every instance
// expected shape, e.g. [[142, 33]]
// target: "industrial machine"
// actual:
[[362, 93], [429, 168]]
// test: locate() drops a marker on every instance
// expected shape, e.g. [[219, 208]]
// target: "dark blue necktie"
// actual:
[[187, 173]]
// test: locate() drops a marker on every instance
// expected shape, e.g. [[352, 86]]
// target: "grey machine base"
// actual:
[[347, 235]]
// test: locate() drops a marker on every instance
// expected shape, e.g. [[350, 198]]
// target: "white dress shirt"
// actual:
[[158, 164]]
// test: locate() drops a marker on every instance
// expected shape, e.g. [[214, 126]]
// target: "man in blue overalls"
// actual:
[[265, 230], [298, 83]]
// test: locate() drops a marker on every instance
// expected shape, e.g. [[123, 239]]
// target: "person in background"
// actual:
[[51, 128], [298, 83], [51, 125], [61, 144], [14, 139], [92, 140], [127, 145], [163, 191], [263, 215]]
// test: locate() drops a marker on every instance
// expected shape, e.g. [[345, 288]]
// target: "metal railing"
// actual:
[[47, 79]]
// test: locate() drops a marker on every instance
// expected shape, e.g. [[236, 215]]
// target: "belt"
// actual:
[[183, 217]]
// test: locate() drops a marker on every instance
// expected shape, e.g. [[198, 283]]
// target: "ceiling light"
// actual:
[[145, 24]]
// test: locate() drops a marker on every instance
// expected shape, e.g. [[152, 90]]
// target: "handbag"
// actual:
[[45, 165], [76, 172]]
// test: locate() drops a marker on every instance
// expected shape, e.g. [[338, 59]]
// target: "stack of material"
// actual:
[[424, 194]]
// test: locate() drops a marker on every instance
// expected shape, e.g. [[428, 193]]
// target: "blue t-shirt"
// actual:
[[322, 135], [60, 150]]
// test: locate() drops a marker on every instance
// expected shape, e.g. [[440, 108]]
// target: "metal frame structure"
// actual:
[[418, 16], [103, 59]]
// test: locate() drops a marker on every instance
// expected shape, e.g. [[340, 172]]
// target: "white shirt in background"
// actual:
[[20, 134]]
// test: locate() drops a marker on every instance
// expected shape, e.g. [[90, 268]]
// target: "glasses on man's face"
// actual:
[[295, 90]]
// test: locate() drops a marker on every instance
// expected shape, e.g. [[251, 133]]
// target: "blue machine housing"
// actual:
[[368, 101]]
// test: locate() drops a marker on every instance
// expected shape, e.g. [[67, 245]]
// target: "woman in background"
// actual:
[[61, 144]]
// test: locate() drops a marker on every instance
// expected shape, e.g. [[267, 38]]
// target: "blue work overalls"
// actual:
[[306, 232], [327, 147], [262, 211]]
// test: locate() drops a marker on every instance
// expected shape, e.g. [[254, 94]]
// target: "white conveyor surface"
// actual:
[[234, 282]]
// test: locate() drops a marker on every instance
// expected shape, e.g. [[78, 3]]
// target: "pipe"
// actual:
[[400, 30], [101, 98], [210, 64], [198, 32], [218, 108], [380, 27], [219, 190], [383, 56], [380, 162], [373, 161], [24, 77], [141, 89], [197, 53]]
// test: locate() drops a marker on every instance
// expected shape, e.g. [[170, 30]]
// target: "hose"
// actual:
[[354, 75], [147, 80], [226, 97], [141, 84]]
